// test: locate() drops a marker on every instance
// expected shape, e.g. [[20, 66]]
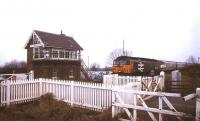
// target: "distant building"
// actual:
[[53, 56]]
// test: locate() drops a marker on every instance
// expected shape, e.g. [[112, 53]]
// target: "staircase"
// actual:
[[85, 71]]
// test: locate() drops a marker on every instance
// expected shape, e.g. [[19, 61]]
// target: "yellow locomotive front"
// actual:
[[122, 67]]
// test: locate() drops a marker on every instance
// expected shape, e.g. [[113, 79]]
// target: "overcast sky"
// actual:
[[160, 29]]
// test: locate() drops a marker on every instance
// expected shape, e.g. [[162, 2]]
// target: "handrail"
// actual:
[[85, 69]]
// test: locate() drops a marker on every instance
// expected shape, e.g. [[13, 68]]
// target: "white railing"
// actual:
[[94, 96]]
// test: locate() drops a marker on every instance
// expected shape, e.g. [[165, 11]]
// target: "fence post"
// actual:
[[72, 93], [160, 104], [40, 87], [8, 92], [113, 107], [198, 105], [135, 104], [162, 83], [0, 93], [31, 75], [105, 82], [115, 80]]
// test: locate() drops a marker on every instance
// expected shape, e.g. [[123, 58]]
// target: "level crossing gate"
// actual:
[[139, 103]]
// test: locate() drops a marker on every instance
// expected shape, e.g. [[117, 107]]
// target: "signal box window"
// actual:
[[66, 54], [54, 74], [61, 54], [71, 73], [55, 54], [36, 52]]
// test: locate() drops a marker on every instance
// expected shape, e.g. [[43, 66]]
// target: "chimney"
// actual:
[[61, 33]]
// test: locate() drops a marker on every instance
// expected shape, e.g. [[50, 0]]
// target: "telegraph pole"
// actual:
[[88, 63], [123, 49]]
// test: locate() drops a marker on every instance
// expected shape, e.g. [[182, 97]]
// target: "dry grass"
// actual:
[[48, 109], [192, 71], [189, 73]]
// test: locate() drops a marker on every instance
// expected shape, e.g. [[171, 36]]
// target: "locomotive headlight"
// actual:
[[163, 66]]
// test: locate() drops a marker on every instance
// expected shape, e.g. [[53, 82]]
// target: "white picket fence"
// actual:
[[94, 96], [139, 82]]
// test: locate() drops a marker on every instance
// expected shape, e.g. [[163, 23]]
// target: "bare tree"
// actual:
[[192, 60], [94, 66], [14, 66], [116, 53], [11, 64]]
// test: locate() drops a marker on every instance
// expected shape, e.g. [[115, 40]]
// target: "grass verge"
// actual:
[[49, 109]]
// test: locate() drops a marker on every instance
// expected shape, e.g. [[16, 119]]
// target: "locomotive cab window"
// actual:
[[121, 62], [115, 62]]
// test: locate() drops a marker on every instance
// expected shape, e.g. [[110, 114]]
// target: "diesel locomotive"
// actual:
[[126, 65]]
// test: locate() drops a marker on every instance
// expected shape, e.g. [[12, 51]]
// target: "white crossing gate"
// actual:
[[197, 105], [140, 104]]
